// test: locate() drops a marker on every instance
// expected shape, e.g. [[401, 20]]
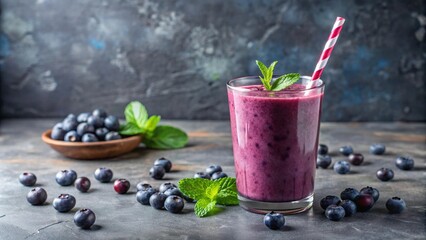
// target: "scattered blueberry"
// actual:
[[157, 200], [112, 136], [346, 150], [95, 121], [349, 206], [143, 186], [101, 133], [371, 191], [201, 175], [82, 184], [82, 117], [112, 123], [395, 205], [329, 200], [84, 218], [165, 163], [342, 167], [384, 174], [165, 186], [218, 175], [364, 202], [99, 113], [121, 186], [58, 133], [37, 196], [72, 136], [69, 124], [404, 163], [157, 172], [66, 177], [274, 220], [89, 137], [213, 169], [64, 202], [84, 128], [349, 194], [174, 204], [144, 195], [323, 161], [103, 175], [173, 191], [335, 213], [377, 149], [356, 159], [27, 179], [322, 149]]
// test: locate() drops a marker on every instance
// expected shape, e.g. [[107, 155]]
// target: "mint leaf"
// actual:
[[130, 129], [271, 71], [285, 81], [213, 190], [227, 197], [152, 122], [194, 188], [136, 113], [204, 206], [166, 137]]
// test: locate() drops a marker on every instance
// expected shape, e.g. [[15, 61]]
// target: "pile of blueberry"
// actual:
[[212, 172], [161, 166], [168, 196], [352, 201], [87, 127]]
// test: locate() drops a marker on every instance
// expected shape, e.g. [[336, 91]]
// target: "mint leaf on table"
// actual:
[[151, 124], [280, 83], [166, 137], [130, 129], [136, 113], [204, 206], [194, 188]]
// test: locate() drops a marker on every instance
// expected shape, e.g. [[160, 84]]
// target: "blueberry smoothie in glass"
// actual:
[[275, 141]]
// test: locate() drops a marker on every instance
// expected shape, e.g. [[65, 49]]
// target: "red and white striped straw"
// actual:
[[328, 48]]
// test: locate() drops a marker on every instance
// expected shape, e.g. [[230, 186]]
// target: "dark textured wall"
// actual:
[[61, 56]]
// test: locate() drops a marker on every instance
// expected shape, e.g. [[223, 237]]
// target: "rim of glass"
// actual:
[[239, 89]]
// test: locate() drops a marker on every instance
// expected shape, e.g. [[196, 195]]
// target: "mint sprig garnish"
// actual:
[[154, 136], [208, 193], [279, 83]]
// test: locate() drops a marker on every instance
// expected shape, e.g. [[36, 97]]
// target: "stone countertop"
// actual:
[[121, 216]]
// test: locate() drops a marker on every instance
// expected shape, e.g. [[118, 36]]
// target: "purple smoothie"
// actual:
[[275, 139]]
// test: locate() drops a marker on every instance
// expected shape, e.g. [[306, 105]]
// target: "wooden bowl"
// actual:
[[92, 150]]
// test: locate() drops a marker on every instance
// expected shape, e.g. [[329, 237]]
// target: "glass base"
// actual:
[[292, 207]]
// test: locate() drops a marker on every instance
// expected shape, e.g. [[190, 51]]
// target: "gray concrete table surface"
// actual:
[[122, 217]]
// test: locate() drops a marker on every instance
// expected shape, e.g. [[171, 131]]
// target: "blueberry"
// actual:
[[84, 218], [66, 177], [356, 159], [201, 175], [58, 133], [349, 206], [384, 174], [99, 113], [112, 123], [82, 184], [112, 136], [395, 205], [274, 220], [27, 179], [173, 191], [89, 137], [95, 121], [364, 202], [218, 175], [143, 186], [103, 175], [329, 200], [72, 136], [71, 116], [37, 196], [64, 202], [121, 186], [404, 163], [377, 149], [101, 133], [82, 117], [323, 161], [212, 169], [165, 163], [346, 150], [165, 186], [322, 149], [349, 194], [371, 191], [157, 200], [69, 124], [144, 195], [174, 204], [84, 128], [342, 167], [335, 213], [157, 172]]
